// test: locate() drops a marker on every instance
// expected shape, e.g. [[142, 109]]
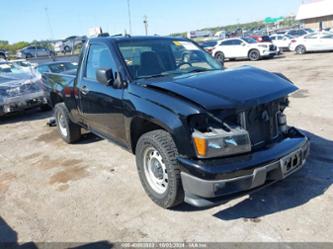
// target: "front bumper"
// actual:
[[22, 102], [211, 182], [269, 53]]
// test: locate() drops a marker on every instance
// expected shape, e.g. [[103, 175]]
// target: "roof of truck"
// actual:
[[136, 38]]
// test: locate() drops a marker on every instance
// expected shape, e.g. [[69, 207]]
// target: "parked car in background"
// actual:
[[245, 47], [34, 51], [19, 89], [281, 41], [208, 45], [320, 41], [261, 38], [298, 32], [71, 42], [56, 67], [3, 54], [58, 47]]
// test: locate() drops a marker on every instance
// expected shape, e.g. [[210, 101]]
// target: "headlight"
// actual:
[[219, 142]]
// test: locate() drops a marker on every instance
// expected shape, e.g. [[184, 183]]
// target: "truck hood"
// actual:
[[228, 89]]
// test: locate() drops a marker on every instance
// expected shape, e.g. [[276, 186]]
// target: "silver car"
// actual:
[[34, 51], [19, 89]]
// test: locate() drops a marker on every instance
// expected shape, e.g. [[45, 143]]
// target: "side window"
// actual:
[[327, 37], [99, 56], [311, 37], [227, 43], [273, 38], [236, 42], [292, 32], [301, 32]]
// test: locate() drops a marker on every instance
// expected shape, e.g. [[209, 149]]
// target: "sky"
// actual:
[[28, 20]]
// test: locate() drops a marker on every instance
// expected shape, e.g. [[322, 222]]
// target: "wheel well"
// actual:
[[253, 49], [218, 52], [300, 45], [55, 99], [140, 126]]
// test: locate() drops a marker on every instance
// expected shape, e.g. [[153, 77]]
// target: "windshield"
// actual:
[[8, 68], [249, 40], [163, 57]]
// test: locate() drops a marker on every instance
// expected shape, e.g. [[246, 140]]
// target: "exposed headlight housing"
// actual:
[[219, 142]]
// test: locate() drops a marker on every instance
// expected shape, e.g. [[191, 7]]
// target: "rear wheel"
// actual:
[[28, 56], [158, 168], [220, 57], [300, 49], [254, 55], [69, 131]]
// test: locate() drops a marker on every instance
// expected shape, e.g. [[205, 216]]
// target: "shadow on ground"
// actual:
[[9, 240], [29, 115], [308, 183]]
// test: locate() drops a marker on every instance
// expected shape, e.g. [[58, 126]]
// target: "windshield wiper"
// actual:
[[153, 76], [199, 70]]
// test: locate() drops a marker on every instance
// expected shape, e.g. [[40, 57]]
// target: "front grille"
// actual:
[[261, 123], [272, 47]]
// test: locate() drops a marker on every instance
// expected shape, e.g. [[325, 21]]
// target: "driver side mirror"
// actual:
[[105, 76]]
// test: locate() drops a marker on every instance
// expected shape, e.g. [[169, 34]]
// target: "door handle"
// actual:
[[84, 90]]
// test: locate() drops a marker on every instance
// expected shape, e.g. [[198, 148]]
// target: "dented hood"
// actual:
[[231, 88]]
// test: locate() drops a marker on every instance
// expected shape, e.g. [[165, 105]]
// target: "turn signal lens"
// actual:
[[201, 146]]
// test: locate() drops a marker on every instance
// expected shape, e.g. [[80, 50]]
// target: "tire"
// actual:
[[254, 55], [67, 49], [3, 57], [220, 57], [69, 131], [158, 145], [300, 49], [28, 56]]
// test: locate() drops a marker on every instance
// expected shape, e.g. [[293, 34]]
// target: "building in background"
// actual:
[[316, 14]]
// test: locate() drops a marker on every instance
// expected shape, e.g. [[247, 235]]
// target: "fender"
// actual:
[[166, 111]]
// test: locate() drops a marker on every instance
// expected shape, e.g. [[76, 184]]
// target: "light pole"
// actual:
[[145, 21], [129, 16], [49, 22]]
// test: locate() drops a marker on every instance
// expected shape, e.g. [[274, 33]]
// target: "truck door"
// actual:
[[100, 105]]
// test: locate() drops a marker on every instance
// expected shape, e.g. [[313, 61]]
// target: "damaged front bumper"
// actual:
[[215, 181], [22, 102]]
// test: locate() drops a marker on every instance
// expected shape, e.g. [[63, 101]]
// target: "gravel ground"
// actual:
[[90, 191]]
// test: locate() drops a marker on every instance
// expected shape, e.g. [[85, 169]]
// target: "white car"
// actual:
[[321, 41], [244, 47], [281, 41]]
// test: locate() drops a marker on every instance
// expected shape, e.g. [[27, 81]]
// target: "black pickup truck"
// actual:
[[201, 133]]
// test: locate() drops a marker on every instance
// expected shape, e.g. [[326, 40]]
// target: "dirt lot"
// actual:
[[51, 191]]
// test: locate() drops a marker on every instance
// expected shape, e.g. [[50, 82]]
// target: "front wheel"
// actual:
[[220, 57], [69, 131], [300, 49], [158, 169], [254, 55]]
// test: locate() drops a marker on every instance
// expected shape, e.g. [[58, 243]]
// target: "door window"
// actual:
[[99, 57], [227, 43], [236, 42]]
